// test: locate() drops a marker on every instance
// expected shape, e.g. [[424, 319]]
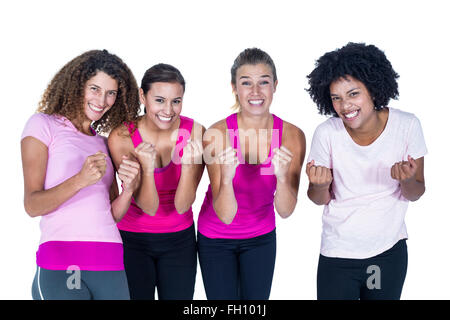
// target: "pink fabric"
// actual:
[[87, 215], [166, 219], [254, 189], [83, 255]]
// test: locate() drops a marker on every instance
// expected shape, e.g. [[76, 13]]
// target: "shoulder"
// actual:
[[402, 116], [219, 125], [293, 134], [119, 135], [332, 124], [41, 118]]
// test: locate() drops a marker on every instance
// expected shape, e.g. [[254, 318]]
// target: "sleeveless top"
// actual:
[[166, 219], [254, 188]]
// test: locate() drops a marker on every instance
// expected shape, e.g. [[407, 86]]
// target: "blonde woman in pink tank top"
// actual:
[[158, 229], [254, 161]]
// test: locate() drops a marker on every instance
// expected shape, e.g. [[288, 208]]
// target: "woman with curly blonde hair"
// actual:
[[69, 178]]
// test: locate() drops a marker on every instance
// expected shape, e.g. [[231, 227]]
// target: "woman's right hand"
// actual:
[[146, 154], [129, 174], [320, 177], [228, 161], [93, 169]]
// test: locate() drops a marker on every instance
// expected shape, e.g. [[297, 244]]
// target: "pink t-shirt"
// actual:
[[81, 231], [166, 219], [254, 188], [367, 213]]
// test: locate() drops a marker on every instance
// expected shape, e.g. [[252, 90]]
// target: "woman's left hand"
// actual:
[[281, 161], [192, 153], [404, 170]]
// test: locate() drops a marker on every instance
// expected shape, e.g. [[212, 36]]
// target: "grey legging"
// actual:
[[79, 285]]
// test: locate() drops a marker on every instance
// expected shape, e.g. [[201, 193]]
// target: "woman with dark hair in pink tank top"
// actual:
[[158, 229], [254, 161]]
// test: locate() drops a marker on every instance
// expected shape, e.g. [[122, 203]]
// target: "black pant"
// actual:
[[234, 269], [167, 261], [377, 278]]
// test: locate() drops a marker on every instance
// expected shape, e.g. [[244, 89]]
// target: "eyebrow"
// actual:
[[334, 94], [166, 98], [97, 86], [263, 76]]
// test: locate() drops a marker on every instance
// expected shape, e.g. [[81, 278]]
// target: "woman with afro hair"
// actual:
[[69, 179], [366, 163]]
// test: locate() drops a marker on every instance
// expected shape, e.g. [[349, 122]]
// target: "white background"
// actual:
[[202, 38]]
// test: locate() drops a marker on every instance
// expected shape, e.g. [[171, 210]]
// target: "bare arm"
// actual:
[[191, 171], [145, 194], [320, 179], [288, 178], [221, 165], [129, 175], [38, 201]]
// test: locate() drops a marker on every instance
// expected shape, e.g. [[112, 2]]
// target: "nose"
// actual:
[[346, 104], [255, 90], [167, 108], [101, 98]]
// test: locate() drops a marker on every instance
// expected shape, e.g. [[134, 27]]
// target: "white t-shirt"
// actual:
[[366, 214]]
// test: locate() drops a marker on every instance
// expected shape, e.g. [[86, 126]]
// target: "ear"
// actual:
[[275, 86], [233, 88], [141, 96]]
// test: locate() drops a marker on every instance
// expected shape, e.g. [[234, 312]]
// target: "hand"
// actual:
[[281, 161], [93, 169], [319, 176], [404, 170], [146, 154], [129, 174], [228, 161], [192, 153]]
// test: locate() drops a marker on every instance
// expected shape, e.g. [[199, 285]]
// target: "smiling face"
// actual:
[[254, 88], [100, 93], [353, 103], [163, 102]]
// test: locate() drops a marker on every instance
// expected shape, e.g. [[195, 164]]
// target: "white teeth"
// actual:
[[162, 118], [256, 102], [351, 115], [95, 108]]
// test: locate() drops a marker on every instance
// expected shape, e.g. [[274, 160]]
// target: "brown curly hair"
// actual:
[[65, 94]]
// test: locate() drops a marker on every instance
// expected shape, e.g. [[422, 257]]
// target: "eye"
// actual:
[[264, 82], [245, 83], [176, 101], [354, 93], [334, 98], [159, 100], [94, 89], [112, 93]]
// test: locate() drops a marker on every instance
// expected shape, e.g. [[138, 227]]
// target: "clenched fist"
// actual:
[[93, 169], [404, 170], [192, 153], [129, 174], [146, 154], [228, 161], [319, 176], [281, 161]]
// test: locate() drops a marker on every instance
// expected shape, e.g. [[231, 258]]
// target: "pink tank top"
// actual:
[[166, 219], [254, 189]]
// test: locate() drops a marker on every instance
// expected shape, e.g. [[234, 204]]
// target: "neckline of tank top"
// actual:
[[162, 169], [268, 160]]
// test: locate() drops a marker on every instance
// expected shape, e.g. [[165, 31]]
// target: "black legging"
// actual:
[[377, 278], [167, 261], [235, 269]]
